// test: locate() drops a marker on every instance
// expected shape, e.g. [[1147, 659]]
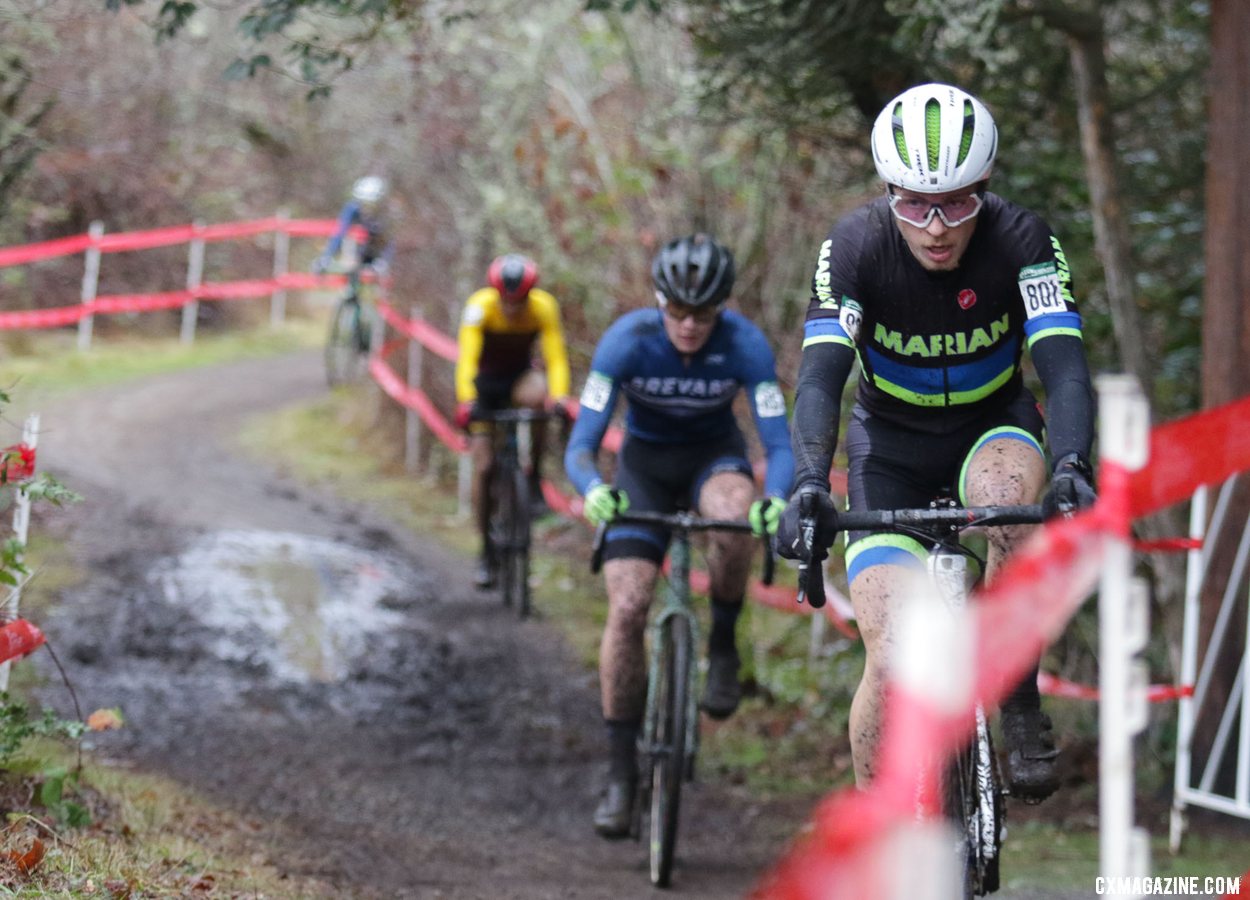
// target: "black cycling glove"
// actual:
[[789, 540], [1071, 487]]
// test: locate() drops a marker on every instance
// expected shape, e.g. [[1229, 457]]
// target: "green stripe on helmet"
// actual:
[[933, 131], [900, 142], [965, 144]]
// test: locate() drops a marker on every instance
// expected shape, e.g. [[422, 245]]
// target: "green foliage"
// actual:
[[17, 725], [19, 121], [55, 786]]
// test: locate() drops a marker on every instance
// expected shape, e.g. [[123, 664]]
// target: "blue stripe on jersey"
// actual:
[[816, 328], [938, 379], [1052, 321]]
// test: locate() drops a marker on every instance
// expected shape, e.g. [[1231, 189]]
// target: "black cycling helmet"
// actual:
[[694, 271], [513, 275]]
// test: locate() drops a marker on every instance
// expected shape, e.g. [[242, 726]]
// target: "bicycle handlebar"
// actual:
[[683, 520], [513, 414], [936, 522]]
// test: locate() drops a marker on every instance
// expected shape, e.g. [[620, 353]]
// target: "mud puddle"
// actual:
[[300, 608]]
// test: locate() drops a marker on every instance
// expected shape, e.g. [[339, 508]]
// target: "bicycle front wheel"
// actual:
[[519, 562], [505, 507], [347, 345], [668, 751], [973, 801]]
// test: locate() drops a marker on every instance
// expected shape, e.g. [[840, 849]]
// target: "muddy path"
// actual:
[[383, 728]]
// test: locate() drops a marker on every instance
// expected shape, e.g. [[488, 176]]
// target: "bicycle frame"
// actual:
[[676, 603], [941, 527], [665, 802], [512, 465]]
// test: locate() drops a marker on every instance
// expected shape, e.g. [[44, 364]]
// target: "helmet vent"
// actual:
[[965, 143], [900, 142], [933, 132]]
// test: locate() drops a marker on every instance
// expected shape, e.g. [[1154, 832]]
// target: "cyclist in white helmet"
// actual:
[[937, 288], [366, 209]]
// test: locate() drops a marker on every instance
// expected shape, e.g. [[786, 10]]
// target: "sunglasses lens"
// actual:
[[919, 211]]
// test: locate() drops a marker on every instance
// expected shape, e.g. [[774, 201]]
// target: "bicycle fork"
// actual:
[[949, 573]]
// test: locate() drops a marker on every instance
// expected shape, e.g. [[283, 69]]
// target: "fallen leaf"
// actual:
[[104, 720], [27, 862], [119, 890]]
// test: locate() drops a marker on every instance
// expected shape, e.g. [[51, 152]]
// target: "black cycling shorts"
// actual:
[[665, 478], [494, 392], [890, 466]]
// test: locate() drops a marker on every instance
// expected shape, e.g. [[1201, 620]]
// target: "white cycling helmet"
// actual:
[[369, 189], [934, 138]]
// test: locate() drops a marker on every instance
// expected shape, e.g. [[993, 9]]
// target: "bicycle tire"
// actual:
[[504, 509], [520, 560], [668, 751], [973, 802], [347, 345]]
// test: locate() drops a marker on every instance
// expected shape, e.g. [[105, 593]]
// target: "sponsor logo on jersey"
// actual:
[[769, 400], [820, 282], [1065, 274], [967, 298], [473, 314], [597, 392], [930, 345], [684, 387]]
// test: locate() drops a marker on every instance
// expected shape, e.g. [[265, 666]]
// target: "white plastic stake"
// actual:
[[21, 531], [90, 282], [195, 277], [1124, 418], [281, 264], [412, 421]]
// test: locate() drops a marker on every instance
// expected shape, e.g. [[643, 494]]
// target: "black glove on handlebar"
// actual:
[[1071, 487], [789, 538]]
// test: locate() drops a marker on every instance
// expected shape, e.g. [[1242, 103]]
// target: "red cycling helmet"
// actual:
[[513, 276]]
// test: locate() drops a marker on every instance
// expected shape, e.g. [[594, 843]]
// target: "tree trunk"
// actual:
[[1111, 233], [1225, 324]]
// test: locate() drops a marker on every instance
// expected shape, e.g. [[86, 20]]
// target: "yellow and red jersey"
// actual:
[[494, 344]]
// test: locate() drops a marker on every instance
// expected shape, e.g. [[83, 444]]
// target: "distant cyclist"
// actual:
[[366, 209], [679, 366], [495, 370], [938, 287]]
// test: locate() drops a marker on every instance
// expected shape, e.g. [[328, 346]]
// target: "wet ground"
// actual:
[[381, 726]]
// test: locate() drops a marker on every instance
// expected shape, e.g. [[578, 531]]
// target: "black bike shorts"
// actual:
[[494, 392], [890, 466], [665, 478]]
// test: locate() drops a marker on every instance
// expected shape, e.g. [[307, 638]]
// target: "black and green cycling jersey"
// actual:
[[939, 349]]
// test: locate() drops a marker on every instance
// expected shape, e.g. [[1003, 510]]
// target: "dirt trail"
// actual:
[[421, 744]]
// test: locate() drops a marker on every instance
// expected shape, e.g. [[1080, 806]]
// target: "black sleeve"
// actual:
[[823, 372], [1061, 365]]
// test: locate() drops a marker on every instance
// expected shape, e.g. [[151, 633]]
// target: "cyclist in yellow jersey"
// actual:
[[495, 370]]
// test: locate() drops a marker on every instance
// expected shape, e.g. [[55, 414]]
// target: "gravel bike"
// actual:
[[352, 327], [509, 494], [670, 732], [972, 792]]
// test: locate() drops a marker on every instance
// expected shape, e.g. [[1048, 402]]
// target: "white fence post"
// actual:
[[281, 265], [464, 480], [90, 282], [195, 277], [412, 421], [1123, 621], [21, 530]]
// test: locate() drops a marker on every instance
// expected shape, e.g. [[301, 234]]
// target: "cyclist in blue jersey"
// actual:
[[679, 367], [937, 287], [364, 209]]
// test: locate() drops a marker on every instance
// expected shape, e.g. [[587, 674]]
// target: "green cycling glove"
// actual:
[[764, 515], [604, 503]]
